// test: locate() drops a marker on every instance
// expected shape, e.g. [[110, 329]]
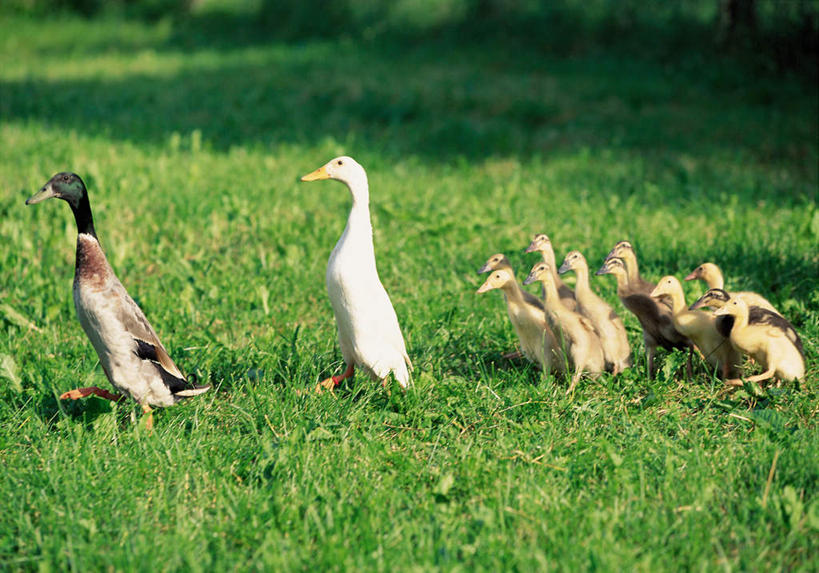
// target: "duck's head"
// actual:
[[344, 169], [705, 271], [497, 279], [571, 262], [715, 298], [496, 261], [619, 249], [66, 186], [540, 242], [733, 307], [540, 272], [667, 286], [612, 266]]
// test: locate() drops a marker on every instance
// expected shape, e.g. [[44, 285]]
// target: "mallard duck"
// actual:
[[699, 327], [712, 276], [655, 318], [542, 244], [537, 341], [129, 350], [605, 321], [368, 330], [772, 342], [575, 333]]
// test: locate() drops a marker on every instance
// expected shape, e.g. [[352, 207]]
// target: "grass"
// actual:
[[191, 152]]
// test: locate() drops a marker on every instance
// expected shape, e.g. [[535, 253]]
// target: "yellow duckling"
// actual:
[[700, 327], [537, 341], [772, 342], [573, 330], [712, 276], [608, 325]]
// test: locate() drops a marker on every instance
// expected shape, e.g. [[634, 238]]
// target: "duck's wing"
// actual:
[[148, 347], [779, 326]]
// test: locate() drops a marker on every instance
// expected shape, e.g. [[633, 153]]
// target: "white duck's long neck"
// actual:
[[359, 228]]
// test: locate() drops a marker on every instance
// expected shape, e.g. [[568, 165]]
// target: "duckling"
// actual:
[[543, 245], [772, 342], [655, 319], [499, 261], [368, 330], [575, 331], [129, 350], [712, 276], [537, 341], [605, 321], [625, 251], [699, 327], [717, 298]]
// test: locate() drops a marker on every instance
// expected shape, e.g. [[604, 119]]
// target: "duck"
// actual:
[[129, 350], [700, 328], [499, 261], [712, 276], [574, 332], [636, 283], [368, 331], [655, 318], [608, 325], [541, 243], [537, 341], [772, 342], [717, 298]]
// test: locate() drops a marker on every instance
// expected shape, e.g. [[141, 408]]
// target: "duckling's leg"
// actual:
[[650, 351], [78, 393], [334, 381], [514, 355], [149, 421]]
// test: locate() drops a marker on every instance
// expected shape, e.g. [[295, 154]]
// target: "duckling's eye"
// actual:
[[339, 162]]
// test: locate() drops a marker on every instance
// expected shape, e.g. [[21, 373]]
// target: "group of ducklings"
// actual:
[[575, 332]]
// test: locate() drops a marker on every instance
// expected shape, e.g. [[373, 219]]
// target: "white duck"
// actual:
[[130, 352], [368, 330]]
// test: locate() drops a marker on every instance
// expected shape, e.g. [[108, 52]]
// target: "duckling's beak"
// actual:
[[484, 288], [46, 192], [531, 248], [564, 268], [656, 293], [604, 270], [320, 173], [691, 276], [700, 303], [484, 269], [530, 279]]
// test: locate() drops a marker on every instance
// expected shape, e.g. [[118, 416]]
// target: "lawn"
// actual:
[[191, 139]]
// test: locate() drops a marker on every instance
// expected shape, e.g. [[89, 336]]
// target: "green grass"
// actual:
[[192, 150]]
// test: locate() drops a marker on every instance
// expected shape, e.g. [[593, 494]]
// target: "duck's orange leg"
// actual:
[[334, 381], [149, 421], [78, 393]]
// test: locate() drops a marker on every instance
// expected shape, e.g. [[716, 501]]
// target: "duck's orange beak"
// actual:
[[320, 173]]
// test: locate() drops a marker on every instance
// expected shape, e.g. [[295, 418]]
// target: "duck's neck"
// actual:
[[549, 258], [740, 319], [513, 293], [631, 266], [622, 283], [550, 296], [83, 217], [358, 221], [581, 285], [714, 280]]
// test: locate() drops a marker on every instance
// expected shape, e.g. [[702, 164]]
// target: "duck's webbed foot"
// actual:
[[333, 381], [78, 393]]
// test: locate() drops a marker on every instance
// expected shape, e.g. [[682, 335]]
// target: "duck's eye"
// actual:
[[339, 162], [65, 177]]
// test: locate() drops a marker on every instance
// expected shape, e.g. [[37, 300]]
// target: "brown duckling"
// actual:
[[655, 319], [608, 325], [772, 342], [537, 341], [575, 331], [624, 250], [700, 328], [543, 245], [712, 276]]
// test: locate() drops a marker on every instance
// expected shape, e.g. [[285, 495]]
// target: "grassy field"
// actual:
[[191, 146]]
